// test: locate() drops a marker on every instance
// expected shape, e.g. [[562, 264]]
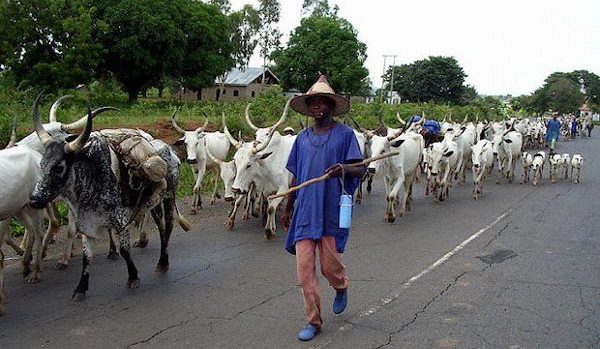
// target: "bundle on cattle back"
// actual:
[[137, 154]]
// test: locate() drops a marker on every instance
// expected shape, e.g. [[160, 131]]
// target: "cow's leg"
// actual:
[[230, 221], [10, 242], [163, 217], [112, 248], [82, 287], [215, 194], [250, 203], [53, 226], [140, 228], [369, 183], [4, 231], [125, 251], [392, 196], [359, 191], [197, 200], [65, 258], [271, 225], [33, 220], [446, 177]]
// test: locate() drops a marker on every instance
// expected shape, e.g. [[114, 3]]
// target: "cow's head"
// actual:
[[381, 145], [439, 153], [479, 149], [57, 159], [249, 159], [193, 140]]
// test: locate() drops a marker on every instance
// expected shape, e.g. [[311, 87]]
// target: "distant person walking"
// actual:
[[326, 147], [552, 132]]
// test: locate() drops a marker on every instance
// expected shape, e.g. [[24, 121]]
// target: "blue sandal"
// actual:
[[308, 332], [340, 302]]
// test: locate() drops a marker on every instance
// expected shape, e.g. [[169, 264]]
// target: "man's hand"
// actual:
[[335, 170], [286, 219]]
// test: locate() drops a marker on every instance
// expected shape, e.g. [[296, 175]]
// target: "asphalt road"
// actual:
[[517, 269]]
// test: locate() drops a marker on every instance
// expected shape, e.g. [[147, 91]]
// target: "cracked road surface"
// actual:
[[517, 269]]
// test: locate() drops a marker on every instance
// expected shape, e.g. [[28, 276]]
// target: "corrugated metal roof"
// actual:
[[245, 77]]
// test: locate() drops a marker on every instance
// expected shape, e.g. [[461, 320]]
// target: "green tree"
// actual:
[[561, 92], [50, 43], [244, 25], [326, 44], [438, 79]]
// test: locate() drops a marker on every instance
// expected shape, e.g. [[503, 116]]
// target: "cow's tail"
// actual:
[[184, 223]]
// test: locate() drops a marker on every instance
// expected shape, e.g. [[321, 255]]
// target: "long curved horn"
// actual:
[[13, 134], [476, 118], [272, 130], [283, 116], [174, 123], [79, 124], [466, 119], [232, 140], [247, 115], [400, 119], [362, 129], [445, 119], [203, 127], [212, 157], [450, 117], [77, 145], [43, 135], [55, 105]]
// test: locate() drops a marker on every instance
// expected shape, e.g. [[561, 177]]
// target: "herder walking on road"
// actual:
[[326, 147], [552, 132]]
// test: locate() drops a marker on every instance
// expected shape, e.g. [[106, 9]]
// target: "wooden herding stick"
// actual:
[[326, 175]]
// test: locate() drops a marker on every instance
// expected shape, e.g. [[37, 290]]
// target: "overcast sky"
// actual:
[[505, 47]]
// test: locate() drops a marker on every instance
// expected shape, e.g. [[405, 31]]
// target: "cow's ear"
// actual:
[[508, 141], [397, 143], [266, 155], [201, 135], [449, 153], [179, 141]]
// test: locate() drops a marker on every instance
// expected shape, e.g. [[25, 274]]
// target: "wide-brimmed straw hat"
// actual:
[[320, 88]]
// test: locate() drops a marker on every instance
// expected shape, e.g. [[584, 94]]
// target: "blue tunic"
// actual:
[[552, 130], [316, 213]]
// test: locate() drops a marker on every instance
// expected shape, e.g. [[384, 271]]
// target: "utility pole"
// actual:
[[392, 80], [383, 80]]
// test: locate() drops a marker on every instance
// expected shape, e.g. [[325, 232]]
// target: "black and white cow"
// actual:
[[80, 171]]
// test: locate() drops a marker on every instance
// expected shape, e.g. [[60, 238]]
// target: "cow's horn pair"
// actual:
[[13, 134], [247, 116], [81, 123], [237, 144], [465, 120], [45, 138], [272, 130], [55, 105], [181, 130]]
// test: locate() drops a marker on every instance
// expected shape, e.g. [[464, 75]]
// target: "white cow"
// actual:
[[264, 164], [482, 158], [537, 165], [526, 161], [576, 165], [465, 138], [196, 143], [443, 164], [555, 162], [507, 150], [19, 172], [399, 170], [566, 164]]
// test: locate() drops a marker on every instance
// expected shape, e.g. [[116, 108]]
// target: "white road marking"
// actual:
[[384, 301]]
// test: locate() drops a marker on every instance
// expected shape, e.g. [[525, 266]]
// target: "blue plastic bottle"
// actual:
[[345, 211]]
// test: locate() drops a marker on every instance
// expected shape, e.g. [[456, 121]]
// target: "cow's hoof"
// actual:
[[112, 255], [245, 217], [255, 214], [78, 297], [269, 235], [33, 280], [229, 224], [161, 268], [61, 266], [193, 211], [135, 283], [141, 243], [390, 219]]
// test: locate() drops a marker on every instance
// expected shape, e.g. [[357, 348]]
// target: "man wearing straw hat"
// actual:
[[326, 147]]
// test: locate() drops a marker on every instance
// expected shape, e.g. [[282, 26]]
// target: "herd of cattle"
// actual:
[[112, 180]]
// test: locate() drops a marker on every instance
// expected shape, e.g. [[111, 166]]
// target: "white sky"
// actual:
[[504, 47]]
